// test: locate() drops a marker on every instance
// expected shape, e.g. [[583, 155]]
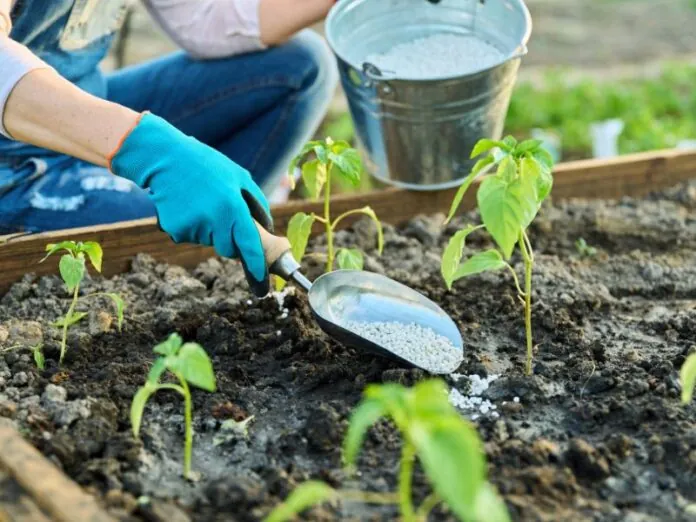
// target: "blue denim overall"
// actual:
[[257, 108]]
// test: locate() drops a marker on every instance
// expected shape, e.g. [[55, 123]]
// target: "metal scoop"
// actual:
[[337, 298]]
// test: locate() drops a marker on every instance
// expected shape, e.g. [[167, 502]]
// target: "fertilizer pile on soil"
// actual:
[[437, 55], [423, 347]]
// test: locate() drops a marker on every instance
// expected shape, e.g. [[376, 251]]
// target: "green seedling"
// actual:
[[584, 249], [508, 201], [321, 162], [188, 363], [447, 447], [36, 350], [688, 378], [72, 267]]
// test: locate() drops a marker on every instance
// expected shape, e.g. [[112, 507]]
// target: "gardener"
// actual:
[[181, 133]]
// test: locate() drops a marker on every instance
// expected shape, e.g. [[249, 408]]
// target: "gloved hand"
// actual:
[[201, 196]]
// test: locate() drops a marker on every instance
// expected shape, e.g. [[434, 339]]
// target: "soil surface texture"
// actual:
[[596, 434]]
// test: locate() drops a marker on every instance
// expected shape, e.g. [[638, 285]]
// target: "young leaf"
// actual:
[[543, 180], [72, 270], [74, 318], [688, 378], [462, 190], [314, 176], [380, 231], [487, 261], [303, 497], [431, 400], [321, 154], [528, 146], [157, 370], [486, 145], [365, 415], [94, 251], [506, 209], [510, 141], [544, 158], [170, 346], [299, 230], [39, 358], [120, 305], [138, 407], [348, 165], [52, 248], [507, 169], [445, 447], [194, 365], [394, 397], [452, 255], [489, 506], [349, 259]]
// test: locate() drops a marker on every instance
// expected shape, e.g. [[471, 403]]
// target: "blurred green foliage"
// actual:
[[657, 112]]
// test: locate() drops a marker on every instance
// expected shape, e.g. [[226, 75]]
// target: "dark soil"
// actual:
[[597, 433]]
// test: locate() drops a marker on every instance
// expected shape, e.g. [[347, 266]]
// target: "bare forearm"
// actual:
[[48, 111], [280, 19]]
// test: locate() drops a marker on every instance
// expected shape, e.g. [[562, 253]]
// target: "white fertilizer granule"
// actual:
[[474, 402], [420, 346], [436, 56]]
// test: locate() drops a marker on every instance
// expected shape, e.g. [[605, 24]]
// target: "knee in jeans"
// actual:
[[318, 62]]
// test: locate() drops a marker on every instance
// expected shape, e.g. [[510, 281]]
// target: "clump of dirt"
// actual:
[[596, 434]]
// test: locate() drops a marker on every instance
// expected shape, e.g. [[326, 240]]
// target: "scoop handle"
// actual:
[[280, 259]]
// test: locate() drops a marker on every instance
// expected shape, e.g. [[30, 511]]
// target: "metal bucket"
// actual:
[[414, 133]]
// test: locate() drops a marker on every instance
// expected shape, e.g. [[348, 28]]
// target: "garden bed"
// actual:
[[596, 434]]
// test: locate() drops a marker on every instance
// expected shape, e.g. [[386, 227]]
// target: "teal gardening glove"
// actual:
[[201, 196]]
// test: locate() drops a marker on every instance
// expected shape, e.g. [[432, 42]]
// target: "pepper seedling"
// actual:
[[584, 249], [189, 363], [448, 448], [72, 267], [36, 350], [508, 201], [320, 161]]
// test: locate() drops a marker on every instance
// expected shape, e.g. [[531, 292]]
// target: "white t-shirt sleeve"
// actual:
[[15, 62], [210, 28]]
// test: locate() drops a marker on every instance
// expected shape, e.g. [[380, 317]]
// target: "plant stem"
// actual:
[[515, 278], [528, 263], [427, 506], [327, 218], [368, 497], [408, 456], [66, 322], [346, 214], [188, 437]]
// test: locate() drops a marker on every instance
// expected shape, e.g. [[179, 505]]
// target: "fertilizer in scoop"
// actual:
[[436, 56], [420, 346]]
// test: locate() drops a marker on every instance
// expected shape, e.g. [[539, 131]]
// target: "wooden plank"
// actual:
[[632, 175], [53, 492], [15, 504]]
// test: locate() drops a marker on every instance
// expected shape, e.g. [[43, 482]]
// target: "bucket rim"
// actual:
[[519, 52]]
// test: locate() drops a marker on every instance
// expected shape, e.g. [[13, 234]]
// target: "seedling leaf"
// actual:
[[528, 146], [487, 261], [138, 407], [314, 176], [157, 370], [486, 145], [489, 506], [365, 415], [39, 358], [72, 270], [452, 255], [445, 448], [52, 248], [299, 230], [349, 259], [321, 154], [510, 141], [688, 378], [462, 190], [74, 318], [195, 366], [348, 165], [120, 305], [506, 209], [170, 346], [544, 158], [303, 497], [94, 252]]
